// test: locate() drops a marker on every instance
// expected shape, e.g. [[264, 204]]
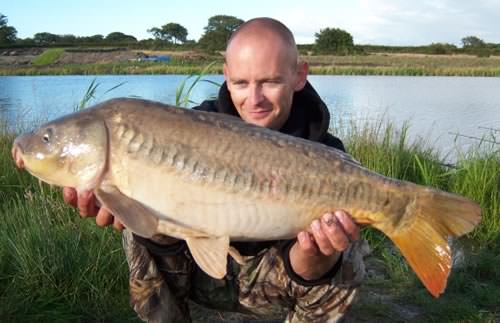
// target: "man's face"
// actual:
[[262, 78]]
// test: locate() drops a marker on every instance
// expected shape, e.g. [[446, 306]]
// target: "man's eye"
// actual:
[[240, 84]]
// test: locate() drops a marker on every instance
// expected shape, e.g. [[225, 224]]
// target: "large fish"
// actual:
[[210, 178]]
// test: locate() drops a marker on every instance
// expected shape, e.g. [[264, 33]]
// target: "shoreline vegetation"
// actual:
[[119, 61], [55, 266]]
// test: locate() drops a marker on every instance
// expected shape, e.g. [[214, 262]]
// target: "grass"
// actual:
[[122, 68], [48, 57], [405, 64], [90, 94], [55, 266], [183, 93], [373, 64]]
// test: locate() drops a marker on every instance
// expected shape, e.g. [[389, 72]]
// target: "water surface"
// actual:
[[436, 107]]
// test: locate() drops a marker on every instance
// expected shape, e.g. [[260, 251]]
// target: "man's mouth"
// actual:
[[260, 114]]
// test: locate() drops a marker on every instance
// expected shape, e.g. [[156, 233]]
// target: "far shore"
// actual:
[[59, 61]]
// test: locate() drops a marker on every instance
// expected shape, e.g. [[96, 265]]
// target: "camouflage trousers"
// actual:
[[160, 286]]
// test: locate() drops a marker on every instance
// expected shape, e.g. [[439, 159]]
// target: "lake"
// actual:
[[436, 107]]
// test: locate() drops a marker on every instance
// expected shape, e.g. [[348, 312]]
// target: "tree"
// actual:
[[171, 32], [157, 33], [222, 22], [334, 40], [441, 48], [218, 31], [472, 42], [120, 37], [67, 39], [94, 38], [175, 31], [45, 38], [7, 33]]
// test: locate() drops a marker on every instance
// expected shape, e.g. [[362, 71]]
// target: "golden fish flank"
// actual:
[[210, 178]]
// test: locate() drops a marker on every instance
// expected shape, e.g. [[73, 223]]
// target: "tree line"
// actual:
[[218, 30]]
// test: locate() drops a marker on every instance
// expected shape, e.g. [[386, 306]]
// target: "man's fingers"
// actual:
[[323, 242], [117, 224], [104, 217], [86, 204], [307, 244], [69, 196], [334, 232], [349, 226]]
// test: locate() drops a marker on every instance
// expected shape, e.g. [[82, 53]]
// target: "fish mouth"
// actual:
[[36, 167], [17, 155]]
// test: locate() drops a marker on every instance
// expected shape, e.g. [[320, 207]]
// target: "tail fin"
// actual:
[[424, 242]]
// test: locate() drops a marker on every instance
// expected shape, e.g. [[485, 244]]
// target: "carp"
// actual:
[[210, 178]]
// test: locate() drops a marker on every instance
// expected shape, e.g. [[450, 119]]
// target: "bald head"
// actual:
[[264, 32], [263, 73]]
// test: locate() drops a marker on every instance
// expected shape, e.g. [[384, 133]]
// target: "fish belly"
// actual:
[[210, 209]]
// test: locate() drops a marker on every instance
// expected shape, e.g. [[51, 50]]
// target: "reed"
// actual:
[[183, 92]]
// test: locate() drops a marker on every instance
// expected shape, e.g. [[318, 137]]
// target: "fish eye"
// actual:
[[47, 136]]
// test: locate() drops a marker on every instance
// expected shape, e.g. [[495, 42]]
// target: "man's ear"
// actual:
[[302, 71], [226, 72]]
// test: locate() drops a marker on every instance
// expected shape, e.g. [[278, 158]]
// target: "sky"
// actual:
[[376, 22]]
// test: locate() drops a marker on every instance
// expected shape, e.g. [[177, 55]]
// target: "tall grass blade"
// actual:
[[182, 98], [89, 95]]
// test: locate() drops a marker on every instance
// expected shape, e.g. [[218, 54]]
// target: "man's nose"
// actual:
[[256, 95]]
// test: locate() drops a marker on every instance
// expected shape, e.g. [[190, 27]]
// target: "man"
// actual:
[[311, 278]]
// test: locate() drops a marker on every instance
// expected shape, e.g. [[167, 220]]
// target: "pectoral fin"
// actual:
[[233, 252], [134, 215], [210, 254]]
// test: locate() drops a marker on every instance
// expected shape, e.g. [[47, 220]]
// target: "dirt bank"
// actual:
[[25, 56], [19, 56]]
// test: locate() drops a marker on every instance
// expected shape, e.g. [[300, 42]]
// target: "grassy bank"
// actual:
[[122, 68], [55, 266], [474, 286], [406, 64], [373, 64]]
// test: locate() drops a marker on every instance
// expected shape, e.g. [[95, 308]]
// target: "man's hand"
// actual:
[[317, 251], [87, 206]]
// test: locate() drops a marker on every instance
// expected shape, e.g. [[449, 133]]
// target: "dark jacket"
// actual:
[[309, 119]]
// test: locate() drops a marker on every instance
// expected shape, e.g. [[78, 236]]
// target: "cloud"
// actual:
[[398, 22]]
